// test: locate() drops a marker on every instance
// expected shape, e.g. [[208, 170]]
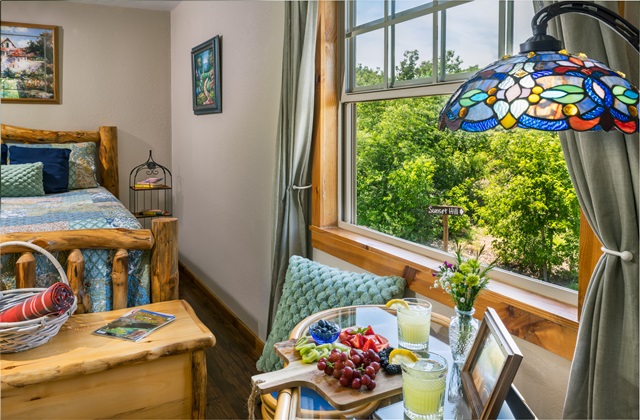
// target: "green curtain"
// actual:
[[295, 125], [603, 382]]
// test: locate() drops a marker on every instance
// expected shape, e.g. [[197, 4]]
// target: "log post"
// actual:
[[109, 159], [75, 275], [199, 384], [164, 259], [120, 278], [26, 271]]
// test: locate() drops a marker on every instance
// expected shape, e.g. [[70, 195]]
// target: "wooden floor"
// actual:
[[230, 364]]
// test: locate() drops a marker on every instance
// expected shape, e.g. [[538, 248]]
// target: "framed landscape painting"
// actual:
[[205, 70], [29, 63]]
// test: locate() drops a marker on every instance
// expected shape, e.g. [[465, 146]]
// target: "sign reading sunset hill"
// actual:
[[446, 210]]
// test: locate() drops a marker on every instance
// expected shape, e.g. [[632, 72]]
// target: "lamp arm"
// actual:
[[601, 13]]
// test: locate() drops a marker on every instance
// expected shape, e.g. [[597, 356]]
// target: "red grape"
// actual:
[[322, 365], [334, 357], [329, 370], [356, 384], [371, 385], [344, 357], [347, 372], [356, 359], [375, 366], [345, 381], [337, 373], [365, 380], [369, 370], [350, 364]]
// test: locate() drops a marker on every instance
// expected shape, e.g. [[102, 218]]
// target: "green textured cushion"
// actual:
[[311, 287], [21, 180], [82, 163]]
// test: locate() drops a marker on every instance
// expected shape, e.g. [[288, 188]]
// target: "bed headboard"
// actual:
[[106, 138]]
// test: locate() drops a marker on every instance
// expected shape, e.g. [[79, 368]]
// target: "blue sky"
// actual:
[[472, 31]]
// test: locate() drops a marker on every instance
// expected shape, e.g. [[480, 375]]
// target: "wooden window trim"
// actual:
[[538, 319]]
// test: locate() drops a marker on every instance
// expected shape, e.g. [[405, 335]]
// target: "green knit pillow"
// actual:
[[24, 180], [310, 287]]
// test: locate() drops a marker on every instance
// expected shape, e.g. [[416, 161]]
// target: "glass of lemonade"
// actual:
[[423, 387], [414, 324]]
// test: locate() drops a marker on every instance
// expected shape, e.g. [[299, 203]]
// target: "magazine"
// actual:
[[135, 325]]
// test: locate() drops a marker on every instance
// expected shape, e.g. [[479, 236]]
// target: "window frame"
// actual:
[[540, 320], [416, 88]]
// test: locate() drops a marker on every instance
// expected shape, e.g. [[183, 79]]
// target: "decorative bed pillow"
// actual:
[[82, 163], [56, 165], [21, 180], [3, 154], [311, 287]]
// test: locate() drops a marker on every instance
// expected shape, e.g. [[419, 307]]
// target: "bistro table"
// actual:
[[306, 403]]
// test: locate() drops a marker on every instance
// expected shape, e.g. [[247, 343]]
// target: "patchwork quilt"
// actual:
[[91, 208]]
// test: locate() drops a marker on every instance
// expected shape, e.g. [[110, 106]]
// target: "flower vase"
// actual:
[[462, 333]]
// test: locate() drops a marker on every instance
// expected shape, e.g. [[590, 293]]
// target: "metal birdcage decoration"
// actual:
[[150, 186]]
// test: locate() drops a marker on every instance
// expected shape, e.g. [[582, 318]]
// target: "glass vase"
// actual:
[[462, 332]]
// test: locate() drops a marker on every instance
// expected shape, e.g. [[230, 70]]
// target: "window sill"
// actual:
[[540, 320]]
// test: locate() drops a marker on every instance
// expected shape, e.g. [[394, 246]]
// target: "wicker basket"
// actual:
[[24, 335]]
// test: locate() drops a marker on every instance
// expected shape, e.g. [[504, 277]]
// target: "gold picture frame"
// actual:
[[30, 64], [489, 370]]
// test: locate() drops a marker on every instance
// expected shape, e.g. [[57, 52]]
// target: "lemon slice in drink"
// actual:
[[398, 356], [397, 304]]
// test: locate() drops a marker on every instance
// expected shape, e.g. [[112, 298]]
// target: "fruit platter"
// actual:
[[348, 367]]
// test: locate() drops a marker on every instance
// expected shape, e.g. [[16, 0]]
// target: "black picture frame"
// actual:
[[206, 77], [489, 370]]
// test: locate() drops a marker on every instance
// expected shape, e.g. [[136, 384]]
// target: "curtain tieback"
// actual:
[[304, 187], [625, 255]]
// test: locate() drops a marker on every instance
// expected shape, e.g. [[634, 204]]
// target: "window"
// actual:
[[402, 61]]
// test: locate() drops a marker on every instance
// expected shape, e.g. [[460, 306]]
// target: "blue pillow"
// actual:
[[3, 155], [56, 165]]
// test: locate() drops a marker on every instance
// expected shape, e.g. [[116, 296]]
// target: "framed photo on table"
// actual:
[[205, 73], [29, 63], [490, 367]]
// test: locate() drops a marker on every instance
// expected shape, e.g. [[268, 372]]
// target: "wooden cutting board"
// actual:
[[297, 374]]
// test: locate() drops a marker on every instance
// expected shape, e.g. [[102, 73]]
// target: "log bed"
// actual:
[[161, 240]]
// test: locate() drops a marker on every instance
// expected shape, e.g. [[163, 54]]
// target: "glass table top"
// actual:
[[383, 321]]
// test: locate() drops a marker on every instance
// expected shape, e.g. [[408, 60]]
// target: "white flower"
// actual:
[[462, 299]]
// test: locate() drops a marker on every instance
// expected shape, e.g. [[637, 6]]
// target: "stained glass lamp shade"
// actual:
[[546, 89]]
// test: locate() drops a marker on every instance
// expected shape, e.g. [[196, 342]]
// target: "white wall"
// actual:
[[114, 71], [223, 164], [542, 377]]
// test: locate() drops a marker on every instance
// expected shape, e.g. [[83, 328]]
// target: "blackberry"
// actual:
[[392, 369]]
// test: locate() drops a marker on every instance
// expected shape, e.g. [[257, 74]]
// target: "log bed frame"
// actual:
[[161, 239]]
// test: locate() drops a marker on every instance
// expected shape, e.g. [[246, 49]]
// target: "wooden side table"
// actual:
[[81, 375]]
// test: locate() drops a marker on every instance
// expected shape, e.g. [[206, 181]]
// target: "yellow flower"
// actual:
[[465, 268], [457, 278], [472, 280]]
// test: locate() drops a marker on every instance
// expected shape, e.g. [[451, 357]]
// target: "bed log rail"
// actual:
[[161, 240]]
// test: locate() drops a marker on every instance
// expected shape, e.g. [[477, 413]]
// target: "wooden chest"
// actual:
[[81, 375]]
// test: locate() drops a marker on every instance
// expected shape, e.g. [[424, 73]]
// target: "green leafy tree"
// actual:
[[530, 206]]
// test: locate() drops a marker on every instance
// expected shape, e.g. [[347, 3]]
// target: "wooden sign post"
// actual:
[[445, 211]]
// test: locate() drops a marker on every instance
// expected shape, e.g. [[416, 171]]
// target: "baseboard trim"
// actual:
[[246, 332]]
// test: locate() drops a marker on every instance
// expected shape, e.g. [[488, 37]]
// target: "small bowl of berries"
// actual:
[[324, 331]]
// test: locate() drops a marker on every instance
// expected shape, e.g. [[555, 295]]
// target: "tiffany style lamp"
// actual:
[[546, 88]]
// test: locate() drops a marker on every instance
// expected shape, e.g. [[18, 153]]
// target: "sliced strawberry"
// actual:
[[346, 343], [355, 341], [368, 331], [344, 336], [370, 344]]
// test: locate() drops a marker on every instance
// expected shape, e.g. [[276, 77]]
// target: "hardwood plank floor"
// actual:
[[230, 364]]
